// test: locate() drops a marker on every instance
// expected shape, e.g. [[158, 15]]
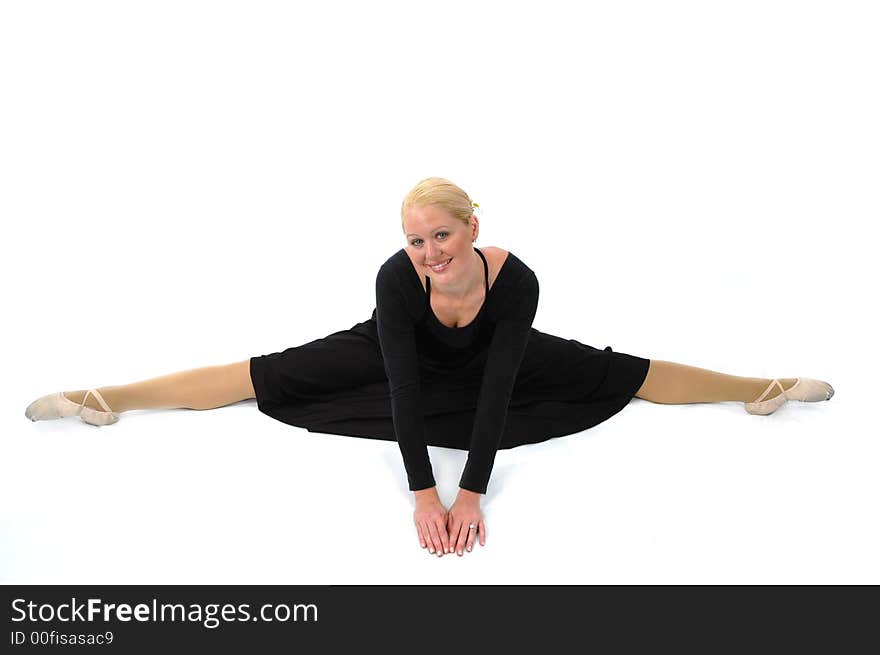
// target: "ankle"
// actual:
[[91, 401], [761, 387]]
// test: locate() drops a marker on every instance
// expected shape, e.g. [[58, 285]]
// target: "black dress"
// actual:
[[403, 376]]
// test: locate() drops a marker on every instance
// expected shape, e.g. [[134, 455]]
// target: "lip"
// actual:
[[448, 259]]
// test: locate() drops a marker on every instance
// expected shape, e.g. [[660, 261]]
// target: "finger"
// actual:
[[482, 529], [471, 535], [426, 535], [440, 524], [444, 535], [435, 539], [452, 530], [454, 533], [462, 537], [422, 540]]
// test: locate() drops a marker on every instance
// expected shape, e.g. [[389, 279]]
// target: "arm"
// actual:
[[399, 354], [398, 345], [505, 355]]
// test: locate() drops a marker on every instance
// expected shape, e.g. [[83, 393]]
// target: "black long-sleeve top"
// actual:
[[410, 333]]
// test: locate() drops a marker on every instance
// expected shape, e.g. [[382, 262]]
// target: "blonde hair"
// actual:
[[442, 193]]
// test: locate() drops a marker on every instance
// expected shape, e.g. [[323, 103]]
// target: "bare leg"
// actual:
[[199, 388], [671, 383]]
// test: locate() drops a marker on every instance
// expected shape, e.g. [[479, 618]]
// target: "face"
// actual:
[[433, 236]]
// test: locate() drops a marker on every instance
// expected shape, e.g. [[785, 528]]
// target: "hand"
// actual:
[[464, 511], [430, 520]]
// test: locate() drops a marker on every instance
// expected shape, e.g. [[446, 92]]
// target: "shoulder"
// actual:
[[495, 255], [392, 268], [517, 288], [495, 258], [397, 287], [395, 261], [515, 269]]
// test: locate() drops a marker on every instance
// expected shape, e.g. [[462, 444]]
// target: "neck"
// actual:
[[464, 288]]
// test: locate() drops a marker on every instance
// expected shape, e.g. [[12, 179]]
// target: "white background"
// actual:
[[193, 183]]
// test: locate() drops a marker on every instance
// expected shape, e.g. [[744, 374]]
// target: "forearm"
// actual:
[[422, 495], [468, 495]]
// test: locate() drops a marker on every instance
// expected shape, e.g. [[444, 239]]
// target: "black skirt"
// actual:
[[338, 385]]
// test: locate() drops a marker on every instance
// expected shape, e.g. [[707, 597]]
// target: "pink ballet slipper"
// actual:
[[57, 405], [805, 390]]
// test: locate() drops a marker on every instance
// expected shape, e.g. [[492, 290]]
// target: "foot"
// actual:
[[787, 383], [58, 405], [91, 401], [803, 389]]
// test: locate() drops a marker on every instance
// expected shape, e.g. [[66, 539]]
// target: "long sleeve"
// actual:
[[506, 351], [398, 345]]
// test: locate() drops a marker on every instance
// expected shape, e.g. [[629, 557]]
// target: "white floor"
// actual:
[[657, 494], [688, 184]]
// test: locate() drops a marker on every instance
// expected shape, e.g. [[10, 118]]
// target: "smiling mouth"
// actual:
[[441, 266]]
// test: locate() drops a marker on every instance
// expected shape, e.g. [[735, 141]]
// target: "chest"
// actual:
[[461, 312], [457, 314]]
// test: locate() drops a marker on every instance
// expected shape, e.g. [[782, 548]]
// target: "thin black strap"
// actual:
[[485, 267]]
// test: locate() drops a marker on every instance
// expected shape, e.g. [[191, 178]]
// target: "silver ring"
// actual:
[[472, 526]]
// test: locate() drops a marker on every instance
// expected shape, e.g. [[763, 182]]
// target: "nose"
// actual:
[[433, 254]]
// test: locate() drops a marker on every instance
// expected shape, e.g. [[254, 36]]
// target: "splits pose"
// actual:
[[448, 358]]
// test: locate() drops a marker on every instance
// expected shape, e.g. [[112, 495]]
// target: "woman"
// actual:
[[448, 358]]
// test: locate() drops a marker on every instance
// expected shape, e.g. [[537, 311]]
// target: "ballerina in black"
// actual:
[[448, 358]]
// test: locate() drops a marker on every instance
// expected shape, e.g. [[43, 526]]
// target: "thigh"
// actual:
[[240, 379], [558, 365], [341, 361], [567, 370]]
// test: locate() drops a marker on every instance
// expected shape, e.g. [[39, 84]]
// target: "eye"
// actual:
[[443, 232]]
